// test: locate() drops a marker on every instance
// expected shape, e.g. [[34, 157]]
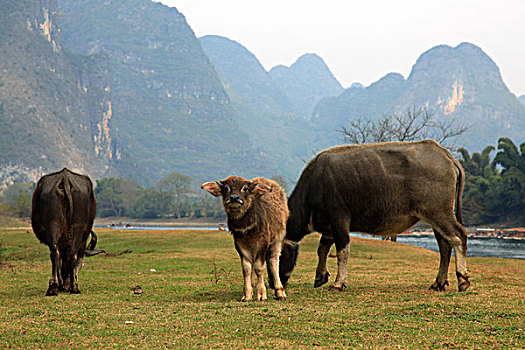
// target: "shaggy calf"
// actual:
[[257, 214]]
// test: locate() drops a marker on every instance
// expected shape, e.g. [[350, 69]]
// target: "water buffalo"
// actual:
[[63, 211], [379, 189], [257, 214]]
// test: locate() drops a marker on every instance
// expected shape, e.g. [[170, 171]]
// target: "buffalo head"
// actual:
[[237, 193]]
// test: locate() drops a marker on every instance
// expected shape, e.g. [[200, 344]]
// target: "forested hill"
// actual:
[[170, 111]]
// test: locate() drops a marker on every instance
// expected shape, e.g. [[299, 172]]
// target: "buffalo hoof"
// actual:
[[438, 286], [464, 285], [281, 298], [321, 280], [52, 290], [341, 288], [463, 282], [74, 291]]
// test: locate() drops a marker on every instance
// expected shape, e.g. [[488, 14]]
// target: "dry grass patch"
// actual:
[[192, 286]]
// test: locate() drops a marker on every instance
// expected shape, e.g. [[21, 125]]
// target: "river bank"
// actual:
[[478, 246]]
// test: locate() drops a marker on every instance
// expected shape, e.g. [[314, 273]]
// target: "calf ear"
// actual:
[[213, 187], [261, 189]]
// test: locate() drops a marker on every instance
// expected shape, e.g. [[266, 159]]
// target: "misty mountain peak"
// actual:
[[306, 81], [309, 60], [245, 74], [459, 83], [464, 62], [390, 78]]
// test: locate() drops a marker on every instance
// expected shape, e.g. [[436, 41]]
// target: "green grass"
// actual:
[[192, 299], [11, 221]]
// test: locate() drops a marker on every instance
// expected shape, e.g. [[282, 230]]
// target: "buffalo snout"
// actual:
[[234, 198]]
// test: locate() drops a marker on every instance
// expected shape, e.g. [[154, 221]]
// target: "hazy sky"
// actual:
[[363, 40]]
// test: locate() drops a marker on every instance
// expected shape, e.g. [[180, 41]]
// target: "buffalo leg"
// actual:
[[61, 281], [445, 251], [73, 286], [455, 235], [76, 253], [341, 233], [247, 262], [254, 277], [321, 273], [78, 267], [247, 274], [66, 275], [273, 264], [53, 281], [258, 267]]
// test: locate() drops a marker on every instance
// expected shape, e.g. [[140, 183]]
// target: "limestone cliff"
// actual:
[[51, 102]]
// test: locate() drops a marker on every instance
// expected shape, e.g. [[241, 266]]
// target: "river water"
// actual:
[[477, 247]]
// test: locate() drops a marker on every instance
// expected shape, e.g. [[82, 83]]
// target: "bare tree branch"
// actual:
[[414, 124], [447, 129]]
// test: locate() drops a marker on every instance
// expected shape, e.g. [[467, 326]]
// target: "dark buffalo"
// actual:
[[381, 189], [257, 214], [62, 217]]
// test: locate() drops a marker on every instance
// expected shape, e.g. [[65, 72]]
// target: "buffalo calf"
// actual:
[[257, 214]]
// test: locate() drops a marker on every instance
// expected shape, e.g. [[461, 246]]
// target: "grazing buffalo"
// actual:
[[380, 189], [62, 216], [257, 214]]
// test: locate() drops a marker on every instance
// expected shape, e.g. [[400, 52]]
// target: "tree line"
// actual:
[[495, 187], [494, 192], [174, 196]]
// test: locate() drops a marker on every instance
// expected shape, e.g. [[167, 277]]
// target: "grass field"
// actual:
[[192, 287]]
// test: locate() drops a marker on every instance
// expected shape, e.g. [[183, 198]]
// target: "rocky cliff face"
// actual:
[[169, 109], [463, 83], [55, 109]]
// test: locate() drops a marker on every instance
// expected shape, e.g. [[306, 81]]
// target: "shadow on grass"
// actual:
[[215, 295]]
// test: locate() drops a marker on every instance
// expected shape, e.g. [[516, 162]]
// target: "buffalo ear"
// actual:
[[261, 189], [213, 187]]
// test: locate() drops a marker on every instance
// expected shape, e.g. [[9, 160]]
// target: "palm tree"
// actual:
[[479, 164], [509, 156]]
